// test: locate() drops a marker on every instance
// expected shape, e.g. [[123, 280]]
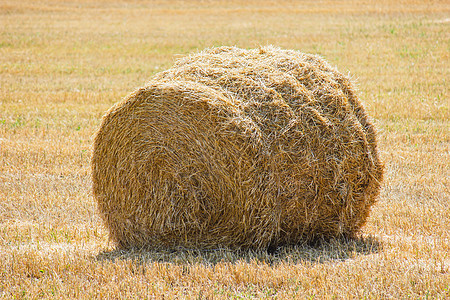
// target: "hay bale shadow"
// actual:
[[318, 251]]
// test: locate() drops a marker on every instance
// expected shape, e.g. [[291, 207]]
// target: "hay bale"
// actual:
[[237, 148]]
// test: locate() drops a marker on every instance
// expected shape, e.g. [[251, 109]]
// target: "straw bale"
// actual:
[[237, 148]]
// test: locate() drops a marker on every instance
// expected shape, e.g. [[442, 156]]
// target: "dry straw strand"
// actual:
[[237, 148]]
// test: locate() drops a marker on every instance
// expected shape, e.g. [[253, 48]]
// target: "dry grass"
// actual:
[[63, 64]]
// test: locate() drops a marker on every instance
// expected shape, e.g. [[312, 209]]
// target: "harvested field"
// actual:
[[63, 64]]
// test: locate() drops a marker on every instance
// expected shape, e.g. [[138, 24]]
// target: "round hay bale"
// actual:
[[237, 148]]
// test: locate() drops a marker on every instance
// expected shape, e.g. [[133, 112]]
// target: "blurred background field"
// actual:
[[64, 63]]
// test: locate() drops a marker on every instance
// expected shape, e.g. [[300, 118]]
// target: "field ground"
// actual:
[[64, 63]]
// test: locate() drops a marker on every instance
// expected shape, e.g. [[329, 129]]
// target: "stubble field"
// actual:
[[64, 63]]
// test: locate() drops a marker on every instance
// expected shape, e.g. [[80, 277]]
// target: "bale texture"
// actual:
[[237, 148]]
